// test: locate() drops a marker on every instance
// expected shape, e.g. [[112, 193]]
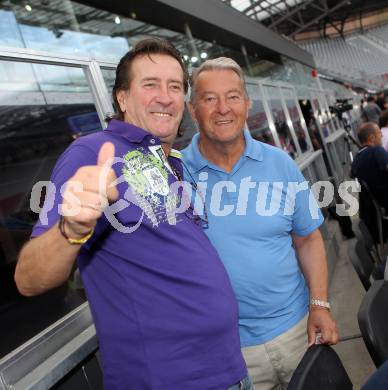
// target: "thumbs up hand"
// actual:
[[107, 176], [88, 192]]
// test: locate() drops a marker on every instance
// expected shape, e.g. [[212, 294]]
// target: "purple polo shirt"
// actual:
[[161, 300]]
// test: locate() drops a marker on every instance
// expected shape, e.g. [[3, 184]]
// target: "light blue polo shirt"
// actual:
[[252, 212]]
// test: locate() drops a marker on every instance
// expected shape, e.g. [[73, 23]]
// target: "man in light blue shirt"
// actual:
[[259, 209]]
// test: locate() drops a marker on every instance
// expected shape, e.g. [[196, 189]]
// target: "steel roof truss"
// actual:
[[291, 12], [319, 17]]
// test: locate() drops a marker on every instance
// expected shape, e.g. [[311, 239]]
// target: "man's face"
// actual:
[[155, 99], [220, 106]]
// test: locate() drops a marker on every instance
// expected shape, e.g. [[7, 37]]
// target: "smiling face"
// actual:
[[155, 99], [220, 106]]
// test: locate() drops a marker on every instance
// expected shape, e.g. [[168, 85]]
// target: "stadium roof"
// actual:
[[291, 17]]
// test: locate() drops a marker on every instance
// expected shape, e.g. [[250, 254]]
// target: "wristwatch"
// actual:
[[73, 241], [320, 303]]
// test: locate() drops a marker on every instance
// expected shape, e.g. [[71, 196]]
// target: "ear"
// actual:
[[121, 98], [249, 101], [192, 111]]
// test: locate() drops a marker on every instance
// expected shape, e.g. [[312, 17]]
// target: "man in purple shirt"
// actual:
[[162, 303]]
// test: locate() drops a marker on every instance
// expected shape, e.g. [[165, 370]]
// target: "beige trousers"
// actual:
[[270, 365]]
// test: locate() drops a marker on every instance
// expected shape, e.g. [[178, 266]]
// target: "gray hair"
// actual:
[[220, 63]]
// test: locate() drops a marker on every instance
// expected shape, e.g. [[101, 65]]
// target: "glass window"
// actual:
[[343, 151], [296, 120], [333, 117], [325, 113], [257, 118], [275, 105], [109, 76], [78, 29], [310, 119], [287, 70], [42, 109], [320, 115], [64, 27]]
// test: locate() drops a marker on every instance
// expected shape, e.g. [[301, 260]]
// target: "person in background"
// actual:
[[162, 303], [380, 100], [378, 380], [275, 258], [383, 123], [371, 162], [370, 167], [371, 111]]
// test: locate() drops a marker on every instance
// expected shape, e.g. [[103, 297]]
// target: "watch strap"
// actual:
[[320, 303]]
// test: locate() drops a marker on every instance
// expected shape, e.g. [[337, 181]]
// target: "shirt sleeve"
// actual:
[[76, 156], [307, 215]]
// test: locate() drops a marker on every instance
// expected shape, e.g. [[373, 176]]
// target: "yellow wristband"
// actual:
[[73, 241]]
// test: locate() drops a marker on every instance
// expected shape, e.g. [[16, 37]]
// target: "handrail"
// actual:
[[50, 355], [334, 136], [303, 163]]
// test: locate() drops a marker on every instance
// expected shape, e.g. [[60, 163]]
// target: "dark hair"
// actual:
[[145, 47], [370, 98], [383, 120], [365, 131]]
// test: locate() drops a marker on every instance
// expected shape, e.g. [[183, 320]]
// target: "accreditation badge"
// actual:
[[157, 181]]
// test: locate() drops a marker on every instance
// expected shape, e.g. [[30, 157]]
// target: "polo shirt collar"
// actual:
[[253, 149], [194, 156], [130, 132]]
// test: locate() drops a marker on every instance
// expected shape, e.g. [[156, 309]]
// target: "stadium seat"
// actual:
[[356, 57], [362, 262], [374, 217], [367, 238], [320, 369], [373, 321]]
